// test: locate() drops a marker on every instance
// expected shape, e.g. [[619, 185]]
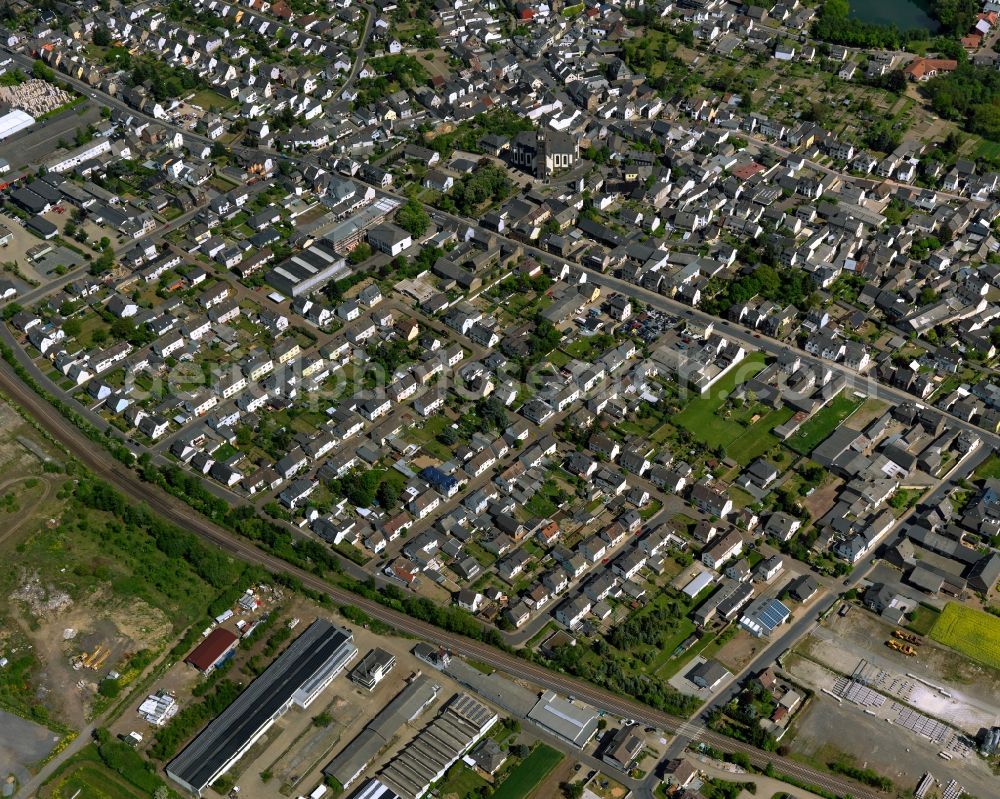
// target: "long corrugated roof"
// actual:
[[264, 698]]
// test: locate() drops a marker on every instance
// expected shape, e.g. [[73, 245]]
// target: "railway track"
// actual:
[[97, 459]]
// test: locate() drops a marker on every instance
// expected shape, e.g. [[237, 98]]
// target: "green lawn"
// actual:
[[685, 627], [523, 778], [743, 441], [988, 468], [94, 781], [987, 149], [758, 439], [815, 431], [461, 781], [924, 618], [558, 358]]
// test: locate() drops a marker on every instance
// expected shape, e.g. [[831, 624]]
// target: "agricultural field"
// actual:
[[969, 631], [523, 778]]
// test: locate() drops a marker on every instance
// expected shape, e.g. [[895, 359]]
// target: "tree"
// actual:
[[103, 262], [360, 253], [102, 36], [360, 487], [571, 790], [388, 494], [927, 296], [42, 71], [413, 218]]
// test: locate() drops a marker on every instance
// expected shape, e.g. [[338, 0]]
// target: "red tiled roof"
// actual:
[[921, 66]]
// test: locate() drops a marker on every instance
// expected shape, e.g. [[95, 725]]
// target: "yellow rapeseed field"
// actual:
[[970, 632]]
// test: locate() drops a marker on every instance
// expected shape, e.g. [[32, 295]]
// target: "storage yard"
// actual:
[[295, 678]]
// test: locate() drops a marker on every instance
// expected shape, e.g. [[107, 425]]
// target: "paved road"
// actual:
[[359, 56], [36, 144], [127, 481], [801, 627]]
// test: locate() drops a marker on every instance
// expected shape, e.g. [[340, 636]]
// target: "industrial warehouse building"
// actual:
[[570, 722], [434, 750], [217, 647], [406, 706], [14, 122], [309, 270], [296, 677]]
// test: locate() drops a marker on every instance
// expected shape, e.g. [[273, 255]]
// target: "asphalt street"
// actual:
[[126, 480]]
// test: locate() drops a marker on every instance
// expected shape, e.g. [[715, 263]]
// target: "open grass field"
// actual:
[[94, 781], [969, 631], [924, 619], [757, 439], [742, 438], [988, 468], [460, 781], [523, 778], [815, 431], [987, 148], [700, 416], [209, 99]]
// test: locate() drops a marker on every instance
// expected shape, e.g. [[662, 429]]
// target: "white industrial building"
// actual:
[[14, 122]]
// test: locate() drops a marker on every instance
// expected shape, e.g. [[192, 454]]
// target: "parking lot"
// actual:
[[22, 743], [826, 731], [36, 144], [34, 268]]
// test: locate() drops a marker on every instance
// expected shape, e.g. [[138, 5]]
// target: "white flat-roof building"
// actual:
[[14, 122], [698, 584]]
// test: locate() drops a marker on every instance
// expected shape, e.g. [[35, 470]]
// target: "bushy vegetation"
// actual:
[[970, 95], [413, 218], [211, 564], [166, 82], [650, 628], [865, 776], [603, 667], [780, 285], [192, 718], [467, 134], [307, 554], [394, 72], [488, 183]]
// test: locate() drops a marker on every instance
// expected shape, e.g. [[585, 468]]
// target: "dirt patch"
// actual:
[[550, 785], [738, 652], [865, 634], [822, 498], [825, 732], [103, 629]]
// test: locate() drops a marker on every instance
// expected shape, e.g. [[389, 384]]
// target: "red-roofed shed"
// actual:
[[210, 652]]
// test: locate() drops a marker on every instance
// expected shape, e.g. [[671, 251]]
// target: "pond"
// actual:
[[904, 14]]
